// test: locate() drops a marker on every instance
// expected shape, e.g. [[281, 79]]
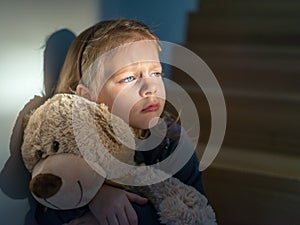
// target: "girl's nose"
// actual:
[[148, 87]]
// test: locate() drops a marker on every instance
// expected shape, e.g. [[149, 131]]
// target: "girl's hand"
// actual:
[[87, 219], [111, 206]]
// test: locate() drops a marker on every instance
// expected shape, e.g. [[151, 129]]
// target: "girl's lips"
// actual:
[[151, 108]]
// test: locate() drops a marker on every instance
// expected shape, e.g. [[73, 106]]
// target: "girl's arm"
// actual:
[[191, 175]]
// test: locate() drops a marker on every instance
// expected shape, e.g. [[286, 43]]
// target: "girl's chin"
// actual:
[[146, 124]]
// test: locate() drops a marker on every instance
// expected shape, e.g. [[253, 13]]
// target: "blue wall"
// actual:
[[168, 18]]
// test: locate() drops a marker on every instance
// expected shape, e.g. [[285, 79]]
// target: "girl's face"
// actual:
[[136, 94]]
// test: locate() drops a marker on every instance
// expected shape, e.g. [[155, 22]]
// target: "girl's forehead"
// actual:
[[131, 54], [140, 65]]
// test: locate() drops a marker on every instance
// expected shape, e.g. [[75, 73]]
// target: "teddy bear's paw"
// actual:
[[190, 197], [206, 216], [173, 211]]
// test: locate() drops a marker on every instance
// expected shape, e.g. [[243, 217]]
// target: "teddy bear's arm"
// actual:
[[177, 203]]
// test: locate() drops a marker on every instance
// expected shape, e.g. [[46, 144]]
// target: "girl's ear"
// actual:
[[83, 91]]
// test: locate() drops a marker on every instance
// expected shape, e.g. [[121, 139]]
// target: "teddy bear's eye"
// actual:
[[39, 153], [55, 145]]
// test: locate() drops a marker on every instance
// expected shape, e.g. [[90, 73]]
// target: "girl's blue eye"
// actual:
[[128, 79], [156, 74]]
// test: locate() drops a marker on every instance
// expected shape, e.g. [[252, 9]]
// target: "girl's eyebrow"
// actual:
[[137, 66]]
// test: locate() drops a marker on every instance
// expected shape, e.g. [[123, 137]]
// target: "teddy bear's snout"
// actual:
[[45, 185]]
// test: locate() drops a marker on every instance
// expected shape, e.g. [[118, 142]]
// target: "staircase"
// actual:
[[253, 48]]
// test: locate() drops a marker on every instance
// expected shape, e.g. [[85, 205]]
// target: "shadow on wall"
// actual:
[[167, 18], [14, 178]]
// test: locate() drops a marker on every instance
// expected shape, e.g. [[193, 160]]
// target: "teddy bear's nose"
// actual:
[[45, 185]]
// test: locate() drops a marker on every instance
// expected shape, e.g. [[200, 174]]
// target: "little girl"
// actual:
[[116, 62]]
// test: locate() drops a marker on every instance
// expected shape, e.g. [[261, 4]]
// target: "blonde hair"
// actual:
[[94, 42]]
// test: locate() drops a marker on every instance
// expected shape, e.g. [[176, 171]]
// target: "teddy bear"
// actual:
[[71, 146]]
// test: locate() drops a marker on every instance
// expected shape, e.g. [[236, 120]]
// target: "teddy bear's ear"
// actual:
[[26, 119], [114, 126]]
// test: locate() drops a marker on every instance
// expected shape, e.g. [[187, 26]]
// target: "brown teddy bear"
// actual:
[[72, 146]]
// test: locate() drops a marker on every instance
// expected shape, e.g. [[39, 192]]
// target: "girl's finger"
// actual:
[[136, 198], [122, 218], [112, 220]]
